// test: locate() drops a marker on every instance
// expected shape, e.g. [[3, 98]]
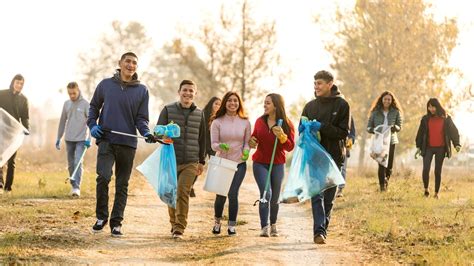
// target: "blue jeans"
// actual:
[[321, 205], [260, 172], [233, 196], [74, 152]]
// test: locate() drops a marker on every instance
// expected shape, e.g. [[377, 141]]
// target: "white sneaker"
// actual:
[[264, 232], [274, 231], [76, 192]]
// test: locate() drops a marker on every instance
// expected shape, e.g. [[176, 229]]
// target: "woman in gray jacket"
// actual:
[[386, 110]]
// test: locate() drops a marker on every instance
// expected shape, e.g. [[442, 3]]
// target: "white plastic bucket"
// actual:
[[220, 174]]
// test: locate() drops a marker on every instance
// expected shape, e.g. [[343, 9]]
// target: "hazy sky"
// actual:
[[41, 39]]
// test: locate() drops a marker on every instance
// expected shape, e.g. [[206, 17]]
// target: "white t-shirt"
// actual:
[[385, 120]]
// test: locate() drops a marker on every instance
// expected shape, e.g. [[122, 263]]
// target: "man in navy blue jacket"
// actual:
[[119, 103]]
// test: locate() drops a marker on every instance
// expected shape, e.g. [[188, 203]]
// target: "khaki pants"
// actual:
[[179, 216]]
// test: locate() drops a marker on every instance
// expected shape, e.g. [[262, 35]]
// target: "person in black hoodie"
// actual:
[[16, 104], [333, 113], [435, 135]]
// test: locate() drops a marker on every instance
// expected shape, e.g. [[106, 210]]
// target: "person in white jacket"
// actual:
[[74, 128]]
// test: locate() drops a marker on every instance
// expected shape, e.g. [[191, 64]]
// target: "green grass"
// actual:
[[39, 215], [408, 226]]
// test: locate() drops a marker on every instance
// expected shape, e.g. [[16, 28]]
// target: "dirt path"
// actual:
[[147, 239]]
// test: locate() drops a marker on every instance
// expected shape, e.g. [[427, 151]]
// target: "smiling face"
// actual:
[[387, 101], [187, 92], [268, 106], [128, 67], [322, 88], [232, 105], [215, 106]]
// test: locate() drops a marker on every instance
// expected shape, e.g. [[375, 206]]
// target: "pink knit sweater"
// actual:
[[232, 130]]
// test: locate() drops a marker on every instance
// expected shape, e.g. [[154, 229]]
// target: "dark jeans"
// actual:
[[438, 153], [10, 173], [260, 172], [233, 196], [321, 205], [107, 155], [386, 172], [74, 152]]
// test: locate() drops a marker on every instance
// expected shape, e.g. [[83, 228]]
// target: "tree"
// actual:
[[397, 46], [229, 54], [100, 63]]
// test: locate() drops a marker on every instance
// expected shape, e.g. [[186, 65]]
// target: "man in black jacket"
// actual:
[[16, 104], [333, 113]]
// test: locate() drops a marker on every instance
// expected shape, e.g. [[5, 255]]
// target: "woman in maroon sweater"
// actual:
[[263, 138], [435, 135]]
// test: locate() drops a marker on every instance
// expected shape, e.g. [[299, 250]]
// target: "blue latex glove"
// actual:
[[97, 132], [58, 144], [87, 143], [315, 126], [150, 138], [301, 128]]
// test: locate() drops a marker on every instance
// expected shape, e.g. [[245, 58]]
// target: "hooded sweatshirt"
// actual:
[[120, 106], [334, 114], [73, 120], [16, 105]]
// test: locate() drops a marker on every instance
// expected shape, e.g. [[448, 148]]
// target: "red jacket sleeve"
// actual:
[[290, 142]]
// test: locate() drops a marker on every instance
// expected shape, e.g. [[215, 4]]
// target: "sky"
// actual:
[[42, 39]]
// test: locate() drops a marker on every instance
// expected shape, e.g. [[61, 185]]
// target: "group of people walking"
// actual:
[[222, 129]]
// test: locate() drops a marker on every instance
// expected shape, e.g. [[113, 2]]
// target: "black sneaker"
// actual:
[[117, 231], [99, 225], [217, 228], [231, 231]]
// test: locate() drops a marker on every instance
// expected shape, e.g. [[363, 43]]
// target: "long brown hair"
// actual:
[[280, 112], [378, 103], [208, 112], [222, 110]]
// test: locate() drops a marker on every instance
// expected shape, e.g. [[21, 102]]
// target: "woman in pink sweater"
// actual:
[[230, 134]]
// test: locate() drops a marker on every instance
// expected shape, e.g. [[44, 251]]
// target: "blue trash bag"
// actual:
[[160, 171], [312, 169]]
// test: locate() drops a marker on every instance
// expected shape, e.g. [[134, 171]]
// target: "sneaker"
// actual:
[[264, 232], [76, 192], [99, 225], [117, 231], [427, 193], [274, 231], [177, 235], [436, 196], [192, 194], [231, 230], [319, 239], [217, 228]]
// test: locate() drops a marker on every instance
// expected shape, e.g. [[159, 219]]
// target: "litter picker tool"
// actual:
[[166, 141], [71, 178], [267, 182]]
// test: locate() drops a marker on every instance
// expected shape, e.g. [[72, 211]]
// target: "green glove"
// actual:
[[245, 155], [417, 153], [224, 146]]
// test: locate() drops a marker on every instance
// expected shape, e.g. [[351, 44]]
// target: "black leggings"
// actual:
[[438, 153], [386, 172]]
